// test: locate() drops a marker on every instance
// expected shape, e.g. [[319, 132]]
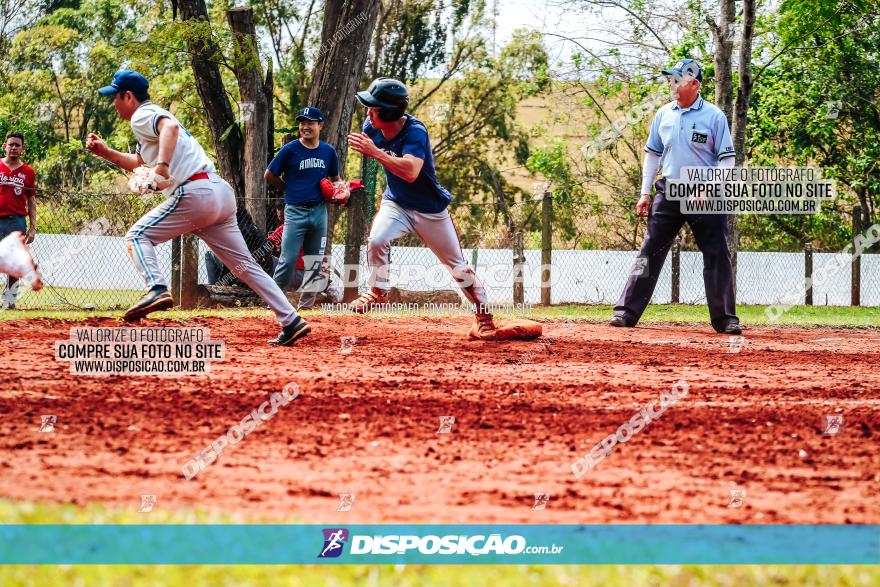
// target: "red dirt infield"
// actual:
[[366, 423]]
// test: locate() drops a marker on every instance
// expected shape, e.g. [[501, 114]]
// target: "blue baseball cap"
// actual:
[[686, 67], [126, 81], [310, 113]]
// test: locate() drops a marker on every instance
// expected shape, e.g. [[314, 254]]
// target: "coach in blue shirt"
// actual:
[[303, 164], [688, 132]]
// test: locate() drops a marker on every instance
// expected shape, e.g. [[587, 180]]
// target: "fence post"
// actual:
[[546, 246], [676, 271], [808, 274], [189, 272], [175, 268], [519, 259], [856, 257]]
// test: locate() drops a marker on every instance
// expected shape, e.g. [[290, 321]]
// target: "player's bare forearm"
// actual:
[[32, 210], [274, 181], [127, 161], [406, 167]]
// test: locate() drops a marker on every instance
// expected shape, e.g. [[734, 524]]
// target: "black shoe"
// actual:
[[153, 301], [292, 332], [732, 328], [620, 322]]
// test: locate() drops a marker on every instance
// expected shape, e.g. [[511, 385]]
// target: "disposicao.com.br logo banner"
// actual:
[[429, 544], [441, 544]]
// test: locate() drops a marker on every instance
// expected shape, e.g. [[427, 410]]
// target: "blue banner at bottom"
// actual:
[[439, 544]]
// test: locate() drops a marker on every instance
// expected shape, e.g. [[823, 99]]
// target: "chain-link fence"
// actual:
[[81, 251]]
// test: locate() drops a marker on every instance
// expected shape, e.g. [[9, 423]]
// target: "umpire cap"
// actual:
[[686, 67]]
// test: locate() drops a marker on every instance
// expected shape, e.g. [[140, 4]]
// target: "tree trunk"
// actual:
[[218, 111], [744, 90], [724, 33], [348, 24], [270, 127], [254, 111], [741, 112]]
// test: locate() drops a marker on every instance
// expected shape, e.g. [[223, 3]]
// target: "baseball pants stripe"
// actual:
[[146, 261], [207, 209]]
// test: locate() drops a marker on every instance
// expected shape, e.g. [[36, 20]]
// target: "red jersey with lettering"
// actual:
[[15, 187]]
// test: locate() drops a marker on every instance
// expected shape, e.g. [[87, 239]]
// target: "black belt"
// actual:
[[309, 204]]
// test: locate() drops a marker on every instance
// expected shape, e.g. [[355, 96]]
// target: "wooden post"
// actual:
[[189, 272], [546, 246], [808, 274], [676, 271], [175, 269], [519, 259], [856, 257]]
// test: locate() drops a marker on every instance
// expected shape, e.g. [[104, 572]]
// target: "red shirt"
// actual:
[[275, 237], [15, 187]]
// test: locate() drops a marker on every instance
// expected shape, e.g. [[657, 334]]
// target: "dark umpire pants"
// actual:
[[710, 232]]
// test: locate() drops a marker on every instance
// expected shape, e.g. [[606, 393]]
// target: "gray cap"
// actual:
[[686, 67]]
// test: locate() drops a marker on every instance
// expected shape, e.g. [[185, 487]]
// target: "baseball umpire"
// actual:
[[199, 201], [413, 202], [687, 132]]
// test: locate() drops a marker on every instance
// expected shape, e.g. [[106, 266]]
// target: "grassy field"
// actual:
[[429, 576], [799, 316]]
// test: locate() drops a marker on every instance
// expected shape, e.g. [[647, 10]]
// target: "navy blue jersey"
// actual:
[[303, 170], [425, 194]]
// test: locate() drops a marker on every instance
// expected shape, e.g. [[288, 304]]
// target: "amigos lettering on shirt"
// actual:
[[303, 169]]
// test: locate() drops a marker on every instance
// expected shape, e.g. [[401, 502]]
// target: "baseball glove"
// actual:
[[145, 181], [335, 193]]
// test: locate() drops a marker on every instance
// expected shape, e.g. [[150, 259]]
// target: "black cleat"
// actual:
[[732, 328], [153, 301], [292, 332], [620, 322]]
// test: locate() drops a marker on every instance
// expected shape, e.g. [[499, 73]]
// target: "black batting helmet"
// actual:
[[389, 95]]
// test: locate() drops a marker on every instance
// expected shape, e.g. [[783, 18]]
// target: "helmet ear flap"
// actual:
[[392, 114]]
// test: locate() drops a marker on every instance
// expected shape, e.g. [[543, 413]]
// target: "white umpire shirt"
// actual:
[[697, 136]]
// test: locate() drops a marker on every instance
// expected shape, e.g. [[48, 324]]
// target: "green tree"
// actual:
[[817, 104], [475, 133]]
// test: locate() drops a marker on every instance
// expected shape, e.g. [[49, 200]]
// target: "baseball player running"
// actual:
[[199, 202], [413, 202]]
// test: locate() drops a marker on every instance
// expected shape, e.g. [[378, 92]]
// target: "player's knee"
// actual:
[[377, 251], [378, 244]]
